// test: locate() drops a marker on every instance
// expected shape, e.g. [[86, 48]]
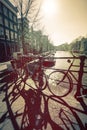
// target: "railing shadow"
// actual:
[[40, 110]]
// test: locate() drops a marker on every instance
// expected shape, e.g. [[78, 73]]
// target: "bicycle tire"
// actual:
[[59, 84]]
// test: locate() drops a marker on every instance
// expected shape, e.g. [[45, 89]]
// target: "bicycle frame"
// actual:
[[80, 72]]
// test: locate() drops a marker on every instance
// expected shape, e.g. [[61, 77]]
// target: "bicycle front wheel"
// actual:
[[59, 83]]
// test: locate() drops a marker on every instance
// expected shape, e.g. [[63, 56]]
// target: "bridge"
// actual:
[[58, 101]]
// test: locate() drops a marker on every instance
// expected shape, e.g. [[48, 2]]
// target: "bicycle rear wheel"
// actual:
[[59, 83]]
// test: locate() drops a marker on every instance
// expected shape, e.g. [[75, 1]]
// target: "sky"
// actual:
[[63, 20]]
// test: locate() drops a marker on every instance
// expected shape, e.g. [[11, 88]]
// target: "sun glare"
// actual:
[[49, 7]]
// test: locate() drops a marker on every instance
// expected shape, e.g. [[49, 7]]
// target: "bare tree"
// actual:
[[27, 9]]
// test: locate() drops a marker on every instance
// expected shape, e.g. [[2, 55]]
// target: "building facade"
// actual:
[[8, 30]]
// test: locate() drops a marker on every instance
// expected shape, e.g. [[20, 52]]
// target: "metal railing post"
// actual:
[[80, 75]]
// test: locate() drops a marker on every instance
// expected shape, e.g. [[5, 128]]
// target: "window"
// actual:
[[15, 27], [7, 34], [0, 8], [1, 20], [10, 15], [11, 25], [5, 11], [12, 36], [6, 23], [15, 19], [16, 37], [2, 32]]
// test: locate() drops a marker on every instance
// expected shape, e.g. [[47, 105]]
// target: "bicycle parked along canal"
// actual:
[[62, 81], [57, 82]]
